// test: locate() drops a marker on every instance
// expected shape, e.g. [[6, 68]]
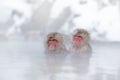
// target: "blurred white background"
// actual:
[[100, 17]]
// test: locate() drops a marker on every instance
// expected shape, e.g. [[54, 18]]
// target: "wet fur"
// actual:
[[84, 46], [60, 48]]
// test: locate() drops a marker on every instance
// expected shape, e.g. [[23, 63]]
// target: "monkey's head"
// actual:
[[80, 37], [54, 41]]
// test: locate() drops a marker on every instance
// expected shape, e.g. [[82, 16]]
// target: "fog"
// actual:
[[24, 25], [26, 60]]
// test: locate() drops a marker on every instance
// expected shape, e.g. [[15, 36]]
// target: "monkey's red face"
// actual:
[[52, 43], [77, 39]]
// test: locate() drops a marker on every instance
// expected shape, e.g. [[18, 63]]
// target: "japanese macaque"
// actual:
[[55, 52], [80, 41], [80, 44], [54, 43]]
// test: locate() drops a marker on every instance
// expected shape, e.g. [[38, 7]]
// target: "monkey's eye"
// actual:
[[53, 40], [78, 36]]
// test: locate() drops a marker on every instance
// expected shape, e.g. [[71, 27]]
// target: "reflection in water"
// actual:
[[54, 63], [80, 62], [25, 60]]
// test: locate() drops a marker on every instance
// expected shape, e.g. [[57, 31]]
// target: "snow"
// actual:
[[101, 20]]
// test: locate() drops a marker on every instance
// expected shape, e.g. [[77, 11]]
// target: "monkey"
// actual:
[[80, 51], [80, 41], [54, 43], [55, 52]]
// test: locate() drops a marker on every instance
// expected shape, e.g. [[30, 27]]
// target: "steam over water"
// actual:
[[25, 60]]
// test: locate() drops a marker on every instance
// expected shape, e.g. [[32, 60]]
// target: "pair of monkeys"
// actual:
[[54, 42]]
